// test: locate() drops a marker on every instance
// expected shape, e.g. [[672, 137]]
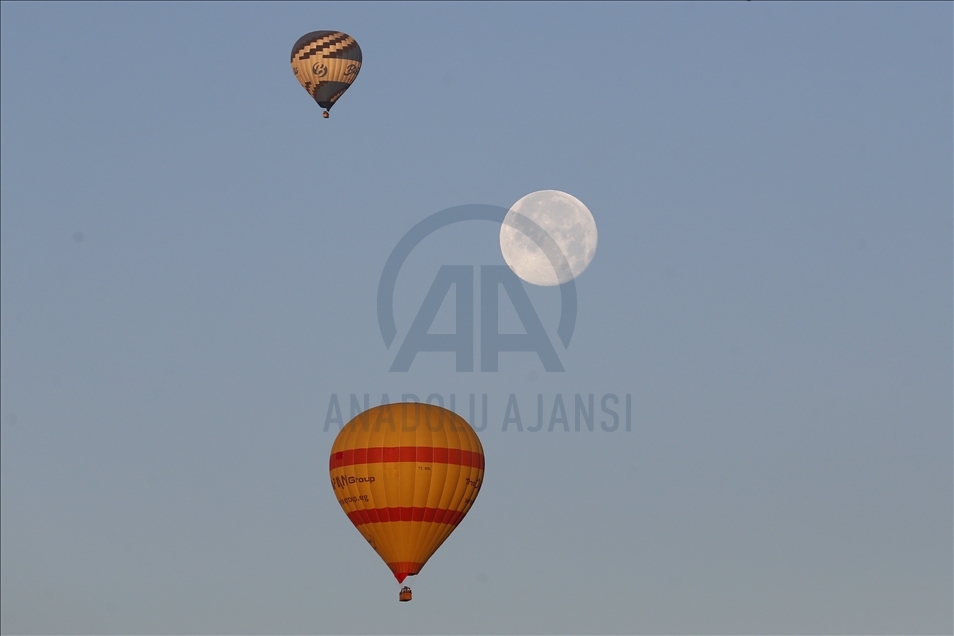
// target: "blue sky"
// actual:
[[190, 260]]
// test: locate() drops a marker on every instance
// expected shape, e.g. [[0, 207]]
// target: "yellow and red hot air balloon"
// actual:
[[406, 474]]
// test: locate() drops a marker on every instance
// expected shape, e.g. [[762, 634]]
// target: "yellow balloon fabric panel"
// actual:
[[326, 63], [406, 474]]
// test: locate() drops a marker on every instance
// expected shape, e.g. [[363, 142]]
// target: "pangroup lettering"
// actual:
[[345, 480]]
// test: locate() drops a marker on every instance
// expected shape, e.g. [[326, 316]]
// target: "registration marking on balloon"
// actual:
[[406, 475]]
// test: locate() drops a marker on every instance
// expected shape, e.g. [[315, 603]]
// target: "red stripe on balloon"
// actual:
[[427, 454], [405, 513]]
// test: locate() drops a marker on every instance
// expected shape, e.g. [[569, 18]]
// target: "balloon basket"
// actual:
[[405, 594], [325, 115]]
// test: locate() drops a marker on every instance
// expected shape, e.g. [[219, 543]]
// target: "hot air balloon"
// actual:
[[326, 63], [406, 474]]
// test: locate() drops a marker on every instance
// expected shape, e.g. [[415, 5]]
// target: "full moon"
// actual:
[[548, 237]]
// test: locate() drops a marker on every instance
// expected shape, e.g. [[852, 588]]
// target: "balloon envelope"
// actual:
[[326, 63], [406, 474]]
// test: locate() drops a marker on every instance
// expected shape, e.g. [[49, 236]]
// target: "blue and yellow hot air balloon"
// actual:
[[326, 63]]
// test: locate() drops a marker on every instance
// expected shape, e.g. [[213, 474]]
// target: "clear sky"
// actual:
[[190, 264]]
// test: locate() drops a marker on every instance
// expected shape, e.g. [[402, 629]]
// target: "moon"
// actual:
[[548, 237]]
